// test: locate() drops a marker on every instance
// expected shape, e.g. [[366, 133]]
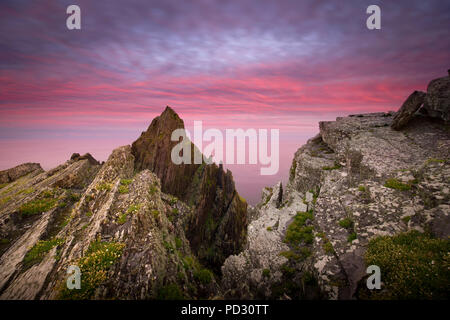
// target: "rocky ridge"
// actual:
[[356, 181], [119, 224]]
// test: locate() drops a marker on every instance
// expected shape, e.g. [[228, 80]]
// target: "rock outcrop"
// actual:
[[118, 222], [140, 227], [407, 110], [437, 101], [218, 227], [356, 187], [10, 175]]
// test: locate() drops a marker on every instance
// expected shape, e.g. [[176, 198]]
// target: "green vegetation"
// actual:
[[133, 208], [73, 197], [297, 232], [49, 193], [37, 206], [266, 273], [178, 243], [4, 200], [3, 185], [66, 221], [153, 189], [94, 268], [189, 263], [123, 189], [155, 213], [414, 266], [352, 236], [173, 200], [269, 229], [433, 160], [89, 213], [336, 166], [170, 292], [4, 241], [328, 247], [362, 188], [396, 184], [290, 255], [104, 186], [346, 223], [122, 218], [203, 275], [124, 183], [39, 250], [26, 191], [406, 219], [175, 211]]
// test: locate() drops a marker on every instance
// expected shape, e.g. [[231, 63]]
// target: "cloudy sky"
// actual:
[[232, 64]]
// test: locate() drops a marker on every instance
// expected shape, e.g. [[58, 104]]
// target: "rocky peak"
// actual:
[[219, 226], [152, 151]]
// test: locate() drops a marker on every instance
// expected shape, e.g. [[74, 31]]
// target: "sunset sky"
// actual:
[[232, 64]]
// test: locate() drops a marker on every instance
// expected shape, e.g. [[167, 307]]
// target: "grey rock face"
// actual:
[[407, 110], [437, 101], [341, 174]]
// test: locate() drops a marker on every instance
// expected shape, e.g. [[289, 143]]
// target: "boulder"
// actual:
[[87, 156], [408, 109], [437, 101]]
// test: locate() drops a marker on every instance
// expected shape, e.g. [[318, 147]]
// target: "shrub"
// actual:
[[126, 182], [94, 267], [122, 218], [203, 275], [170, 292], [178, 243], [352, 236], [290, 255], [123, 189], [133, 208], [413, 265], [266, 273], [37, 206], [153, 189], [39, 250], [396, 184], [104, 186], [328, 247], [297, 233], [155, 213], [346, 223], [269, 229], [362, 188]]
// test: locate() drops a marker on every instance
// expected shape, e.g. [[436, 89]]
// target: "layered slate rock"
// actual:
[[10, 175], [119, 224], [126, 235], [408, 109], [218, 227], [437, 101]]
